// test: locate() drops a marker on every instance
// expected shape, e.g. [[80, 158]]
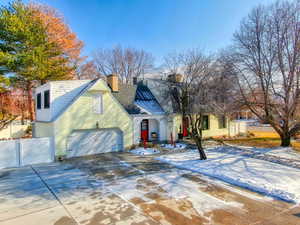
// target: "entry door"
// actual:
[[185, 125], [145, 130]]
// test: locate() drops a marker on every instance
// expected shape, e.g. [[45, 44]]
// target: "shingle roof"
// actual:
[[125, 96], [137, 99]]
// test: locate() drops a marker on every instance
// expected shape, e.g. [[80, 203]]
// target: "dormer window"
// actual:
[[97, 103], [39, 101], [46, 99]]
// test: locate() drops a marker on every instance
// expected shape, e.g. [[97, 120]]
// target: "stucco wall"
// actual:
[[43, 129], [80, 115], [177, 122], [214, 128]]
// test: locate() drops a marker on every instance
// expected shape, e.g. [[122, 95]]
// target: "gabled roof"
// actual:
[[146, 101]]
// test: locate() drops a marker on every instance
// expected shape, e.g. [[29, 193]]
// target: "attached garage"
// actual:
[[94, 141]]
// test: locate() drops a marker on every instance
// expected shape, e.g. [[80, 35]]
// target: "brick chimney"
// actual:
[[113, 82], [175, 77]]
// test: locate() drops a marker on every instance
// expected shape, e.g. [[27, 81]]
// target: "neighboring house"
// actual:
[[15, 129], [87, 117]]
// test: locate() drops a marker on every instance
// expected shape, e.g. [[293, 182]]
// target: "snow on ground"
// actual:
[[285, 153], [177, 146], [145, 151], [258, 175]]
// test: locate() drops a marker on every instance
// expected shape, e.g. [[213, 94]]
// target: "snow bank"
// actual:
[[177, 146], [258, 175], [145, 151]]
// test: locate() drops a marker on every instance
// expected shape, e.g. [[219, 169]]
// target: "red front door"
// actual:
[[185, 124], [144, 130]]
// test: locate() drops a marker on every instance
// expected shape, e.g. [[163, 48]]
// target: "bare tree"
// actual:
[[88, 70], [190, 96], [6, 117], [223, 87], [125, 62], [266, 57]]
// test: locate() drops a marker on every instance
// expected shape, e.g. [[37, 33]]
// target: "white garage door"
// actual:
[[89, 142]]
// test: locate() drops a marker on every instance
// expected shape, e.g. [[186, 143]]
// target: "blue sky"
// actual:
[[158, 26]]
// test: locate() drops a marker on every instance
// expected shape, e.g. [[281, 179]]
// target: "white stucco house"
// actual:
[[95, 116]]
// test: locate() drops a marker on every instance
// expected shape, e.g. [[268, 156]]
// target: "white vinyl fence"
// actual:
[[22, 152], [238, 127]]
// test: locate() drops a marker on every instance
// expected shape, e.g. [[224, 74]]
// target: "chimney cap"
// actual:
[[175, 77]]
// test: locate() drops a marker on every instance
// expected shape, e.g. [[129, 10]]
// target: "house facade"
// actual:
[[94, 116]]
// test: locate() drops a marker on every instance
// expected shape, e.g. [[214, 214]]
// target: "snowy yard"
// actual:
[[259, 175], [177, 146], [285, 153], [145, 151]]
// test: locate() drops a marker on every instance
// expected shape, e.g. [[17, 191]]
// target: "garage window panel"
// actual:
[[98, 103]]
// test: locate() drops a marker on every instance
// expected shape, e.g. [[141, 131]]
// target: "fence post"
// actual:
[[18, 152]]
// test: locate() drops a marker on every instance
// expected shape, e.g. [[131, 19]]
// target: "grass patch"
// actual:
[[261, 142], [265, 134]]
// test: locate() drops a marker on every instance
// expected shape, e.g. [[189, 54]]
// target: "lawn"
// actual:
[[260, 175], [263, 139], [264, 142]]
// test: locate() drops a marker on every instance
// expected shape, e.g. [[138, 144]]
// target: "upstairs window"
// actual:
[[205, 122], [222, 122], [97, 104], [39, 101], [46, 99]]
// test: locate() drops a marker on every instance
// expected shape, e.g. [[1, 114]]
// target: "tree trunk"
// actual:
[[285, 140], [29, 99], [200, 148]]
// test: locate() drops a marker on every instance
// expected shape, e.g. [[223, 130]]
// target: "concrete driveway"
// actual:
[[122, 188]]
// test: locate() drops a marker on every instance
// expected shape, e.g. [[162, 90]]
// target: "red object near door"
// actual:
[[145, 130], [185, 125]]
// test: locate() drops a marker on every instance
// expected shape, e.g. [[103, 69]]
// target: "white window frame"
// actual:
[[97, 103]]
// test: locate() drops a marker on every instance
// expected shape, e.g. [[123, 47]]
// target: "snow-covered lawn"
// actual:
[[145, 151], [258, 175], [178, 146], [285, 153]]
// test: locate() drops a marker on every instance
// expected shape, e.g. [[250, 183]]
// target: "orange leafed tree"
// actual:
[[60, 33]]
